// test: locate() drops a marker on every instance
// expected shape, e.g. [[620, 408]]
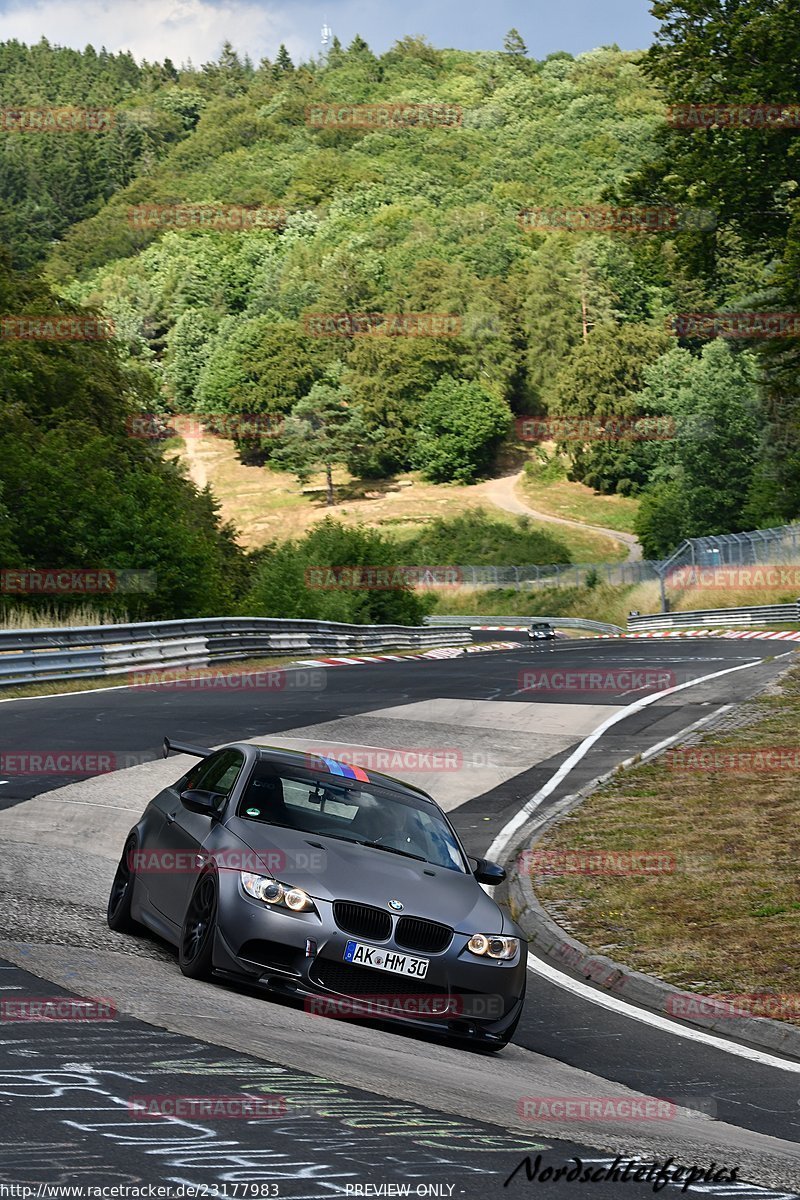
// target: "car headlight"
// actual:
[[260, 887], [492, 946]]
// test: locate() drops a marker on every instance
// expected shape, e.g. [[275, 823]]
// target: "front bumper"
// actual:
[[302, 955]]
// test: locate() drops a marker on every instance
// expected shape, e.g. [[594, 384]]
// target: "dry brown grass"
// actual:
[[264, 504], [739, 587], [13, 617], [727, 919], [646, 597]]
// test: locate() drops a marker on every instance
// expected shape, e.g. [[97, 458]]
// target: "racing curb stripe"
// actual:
[[789, 635], [436, 653]]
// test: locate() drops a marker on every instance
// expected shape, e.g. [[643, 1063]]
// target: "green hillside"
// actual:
[[422, 221], [407, 220]]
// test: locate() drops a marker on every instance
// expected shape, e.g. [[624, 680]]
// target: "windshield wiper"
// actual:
[[394, 850], [339, 837], [373, 845]]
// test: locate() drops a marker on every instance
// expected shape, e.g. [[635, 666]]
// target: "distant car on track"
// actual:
[[313, 879], [541, 631]]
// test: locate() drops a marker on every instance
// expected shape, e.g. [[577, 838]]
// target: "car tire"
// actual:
[[196, 945], [118, 913]]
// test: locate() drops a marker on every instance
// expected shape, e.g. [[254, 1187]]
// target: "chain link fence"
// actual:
[[684, 567], [555, 575], [759, 546]]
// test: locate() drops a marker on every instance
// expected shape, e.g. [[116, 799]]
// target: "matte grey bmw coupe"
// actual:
[[309, 877]]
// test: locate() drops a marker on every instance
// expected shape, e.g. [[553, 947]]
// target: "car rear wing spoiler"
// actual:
[[184, 748]]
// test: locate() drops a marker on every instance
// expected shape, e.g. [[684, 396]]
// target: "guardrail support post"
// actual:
[[664, 606]]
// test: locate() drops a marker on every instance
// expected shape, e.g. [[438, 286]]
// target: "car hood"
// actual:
[[329, 869]]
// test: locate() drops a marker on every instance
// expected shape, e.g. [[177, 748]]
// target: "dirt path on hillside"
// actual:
[[195, 460], [503, 493], [210, 460]]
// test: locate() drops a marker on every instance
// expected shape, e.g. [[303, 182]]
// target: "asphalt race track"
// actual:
[[407, 1110]]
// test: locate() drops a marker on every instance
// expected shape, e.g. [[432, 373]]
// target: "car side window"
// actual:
[[191, 780], [217, 773]]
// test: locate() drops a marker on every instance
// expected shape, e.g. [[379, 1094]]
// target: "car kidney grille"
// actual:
[[361, 920], [412, 933], [360, 981]]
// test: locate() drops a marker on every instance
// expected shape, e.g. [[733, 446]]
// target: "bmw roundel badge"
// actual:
[[396, 905]]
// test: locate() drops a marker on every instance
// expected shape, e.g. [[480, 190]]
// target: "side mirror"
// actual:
[[489, 872], [201, 802]]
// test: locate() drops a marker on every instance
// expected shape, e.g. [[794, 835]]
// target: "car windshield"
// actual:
[[372, 816]]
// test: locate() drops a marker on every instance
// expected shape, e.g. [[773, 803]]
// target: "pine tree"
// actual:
[[283, 63], [513, 44]]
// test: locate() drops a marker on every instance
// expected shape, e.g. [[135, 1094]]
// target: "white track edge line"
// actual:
[[603, 999], [499, 844], [643, 1015]]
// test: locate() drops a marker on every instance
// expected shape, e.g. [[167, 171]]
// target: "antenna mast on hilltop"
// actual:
[[325, 36]]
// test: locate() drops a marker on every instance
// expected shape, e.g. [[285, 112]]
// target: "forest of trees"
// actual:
[[382, 220]]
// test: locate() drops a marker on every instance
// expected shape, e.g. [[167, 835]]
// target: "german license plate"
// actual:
[[385, 960]]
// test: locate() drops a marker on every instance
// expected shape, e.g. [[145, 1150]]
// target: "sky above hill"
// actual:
[[195, 29]]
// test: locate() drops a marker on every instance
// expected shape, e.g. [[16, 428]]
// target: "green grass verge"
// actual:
[[726, 919], [575, 501]]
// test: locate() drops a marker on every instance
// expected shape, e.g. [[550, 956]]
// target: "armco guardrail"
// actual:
[[82, 652], [556, 622], [766, 614]]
